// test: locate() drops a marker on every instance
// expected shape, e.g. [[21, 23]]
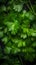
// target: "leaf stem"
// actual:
[[32, 8]]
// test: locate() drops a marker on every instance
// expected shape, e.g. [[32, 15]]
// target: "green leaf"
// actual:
[[7, 50], [1, 34], [18, 7], [5, 40]]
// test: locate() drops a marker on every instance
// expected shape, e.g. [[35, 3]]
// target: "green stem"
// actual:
[[32, 8], [20, 60]]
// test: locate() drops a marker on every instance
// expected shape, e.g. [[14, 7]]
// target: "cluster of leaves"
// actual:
[[17, 32]]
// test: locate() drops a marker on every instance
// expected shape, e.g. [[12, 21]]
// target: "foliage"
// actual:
[[17, 32]]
